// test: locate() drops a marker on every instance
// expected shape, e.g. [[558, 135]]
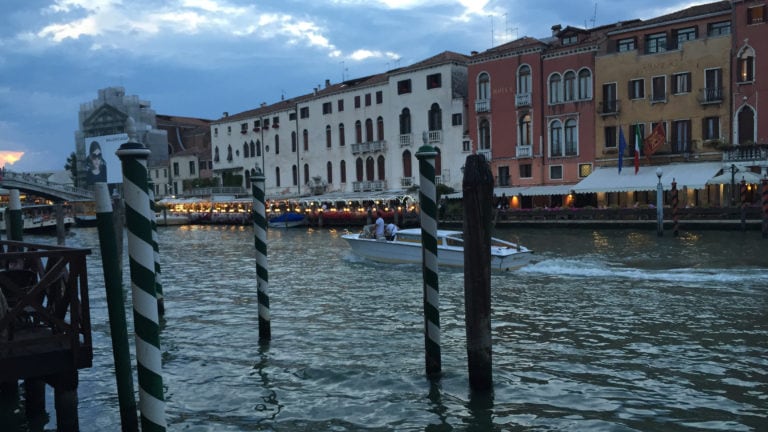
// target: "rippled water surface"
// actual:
[[608, 330]]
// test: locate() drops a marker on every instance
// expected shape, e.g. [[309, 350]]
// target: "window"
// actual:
[[176, 169], [627, 44], [610, 104], [571, 138], [329, 172], [555, 89], [681, 136], [252, 149], [277, 144], [328, 136], [367, 99], [295, 173], [569, 40], [713, 85], [229, 130], [258, 148], [585, 84], [305, 138], [215, 132], [637, 89], [357, 101], [524, 130], [340, 105], [405, 121], [327, 108], [710, 128], [655, 43], [484, 135], [569, 86], [229, 156], [380, 128], [434, 81], [192, 167], [368, 130], [275, 122], [294, 142], [585, 169], [277, 176], [342, 141], [556, 172], [358, 132], [610, 136], [483, 87], [681, 83], [556, 139], [685, 34], [745, 66], [659, 89], [466, 145], [379, 97], [266, 123], [756, 15], [523, 79], [719, 28], [256, 125], [306, 173], [343, 171], [435, 117], [244, 128], [246, 150], [304, 112], [292, 116], [456, 119], [526, 171], [403, 86], [503, 179]]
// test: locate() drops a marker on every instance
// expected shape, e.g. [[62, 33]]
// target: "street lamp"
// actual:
[[733, 184], [659, 204]]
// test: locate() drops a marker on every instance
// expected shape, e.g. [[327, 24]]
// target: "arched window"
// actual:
[[524, 79], [253, 149], [328, 136], [555, 88], [258, 148], [306, 140], [745, 64], [294, 142], [216, 154], [277, 144], [277, 176], [368, 130], [247, 179], [571, 138], [555, 138], [483, 86], [343, 171], [329, 172], [295, 171], [407, 164], [484, 132], [306, 173], [229, 153], [524, 130], [359, 169], [585, 84], [358, 132], [381, 168], [746, 125], [246, 153], [569, 86], [405, 121], [369, 169], [341, 135], [435, 118], [380, 129]]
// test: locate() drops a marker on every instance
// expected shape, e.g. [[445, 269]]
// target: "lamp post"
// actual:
[[659, 204], [733, 184]]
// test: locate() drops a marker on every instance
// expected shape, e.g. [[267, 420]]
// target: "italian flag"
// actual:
[[638, 146]]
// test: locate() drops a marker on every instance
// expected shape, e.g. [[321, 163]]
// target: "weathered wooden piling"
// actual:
[[115, 307], [260, 242], [743, 190], [477, 188], [428, 203], [14, 222], [133, 156], [675, 216], [61, 230]]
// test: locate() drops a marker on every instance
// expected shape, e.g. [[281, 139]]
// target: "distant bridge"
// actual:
[[37, 186]]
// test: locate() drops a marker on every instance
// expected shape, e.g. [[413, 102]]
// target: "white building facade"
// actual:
[[356, 136]]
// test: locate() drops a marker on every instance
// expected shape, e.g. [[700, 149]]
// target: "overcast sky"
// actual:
[[199, 58]]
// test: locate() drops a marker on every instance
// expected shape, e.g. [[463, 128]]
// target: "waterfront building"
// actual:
[[190, 166], [748, 82], [359, 135]]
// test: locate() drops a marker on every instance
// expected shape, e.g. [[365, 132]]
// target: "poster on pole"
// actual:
[[101, 162]]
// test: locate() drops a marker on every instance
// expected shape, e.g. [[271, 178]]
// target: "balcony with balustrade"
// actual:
[[368, 147], [523, 151], [369, 186], [483, 105], [406, 140], [711, 95], [406, 182], [609, 107], [522, 100], [486, 153], [435, 137]]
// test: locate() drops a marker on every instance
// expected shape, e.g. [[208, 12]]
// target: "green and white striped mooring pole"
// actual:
[[133, 156], [428, 204], [155, 247], [260, 240]]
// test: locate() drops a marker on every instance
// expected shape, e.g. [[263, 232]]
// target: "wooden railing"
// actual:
[[45, 326]]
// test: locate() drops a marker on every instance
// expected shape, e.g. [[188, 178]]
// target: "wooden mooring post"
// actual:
[[477, 188]]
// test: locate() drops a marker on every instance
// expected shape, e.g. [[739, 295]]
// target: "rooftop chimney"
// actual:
[[327, 83], [556, 28], [226, 113]]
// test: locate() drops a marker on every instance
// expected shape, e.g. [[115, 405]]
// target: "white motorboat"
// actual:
[[406, 247]]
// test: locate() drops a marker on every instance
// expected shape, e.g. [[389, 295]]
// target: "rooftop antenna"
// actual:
[[492, 41], [594, 16], [344, 71]]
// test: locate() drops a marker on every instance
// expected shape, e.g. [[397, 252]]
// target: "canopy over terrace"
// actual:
[[608, 179]]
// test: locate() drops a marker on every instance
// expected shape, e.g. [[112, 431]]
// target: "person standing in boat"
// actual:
[[379, 232], [390, 231]]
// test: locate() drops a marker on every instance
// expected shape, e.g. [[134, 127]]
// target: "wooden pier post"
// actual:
[[675, 203], [477, 188], [14, 223], [260, 242], [428, 203], [61, 230], [743, 191], [113, 284]]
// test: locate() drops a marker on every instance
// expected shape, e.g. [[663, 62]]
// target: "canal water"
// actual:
[[609, 330]]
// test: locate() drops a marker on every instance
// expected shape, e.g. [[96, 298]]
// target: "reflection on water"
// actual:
[[607, 330]]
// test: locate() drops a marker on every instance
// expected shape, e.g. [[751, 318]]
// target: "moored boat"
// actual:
[[39, 218], [287, 220], [406, 247]]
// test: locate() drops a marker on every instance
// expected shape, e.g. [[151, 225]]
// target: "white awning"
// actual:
[[608, 179], [547, 190], [727, 177]]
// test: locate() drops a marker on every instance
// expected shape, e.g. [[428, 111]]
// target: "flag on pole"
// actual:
[[654, 140], [622, 147], [638, 144]]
